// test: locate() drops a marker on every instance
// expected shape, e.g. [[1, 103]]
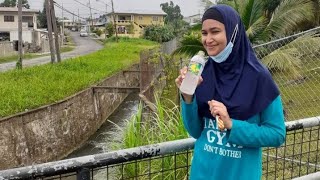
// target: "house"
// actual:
[[132, 22], [193, 20], [9, 23], [69, 23]]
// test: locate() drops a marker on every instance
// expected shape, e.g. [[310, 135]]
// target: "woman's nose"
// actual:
[[209, 38]]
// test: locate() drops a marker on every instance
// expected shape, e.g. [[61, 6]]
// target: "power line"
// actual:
[[88, 6], [64, 9], [105, 4]]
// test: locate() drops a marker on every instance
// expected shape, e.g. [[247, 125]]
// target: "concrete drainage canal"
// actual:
[[98, 143]]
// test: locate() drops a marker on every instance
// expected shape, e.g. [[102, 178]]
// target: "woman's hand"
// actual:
[[219, 110], [179, 79]]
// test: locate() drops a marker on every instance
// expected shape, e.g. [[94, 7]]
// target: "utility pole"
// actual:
[[79, 23], [62, 25], [105, 28], [114, 21], [19, 63], [90, 16], [55, 29], [49, 24]]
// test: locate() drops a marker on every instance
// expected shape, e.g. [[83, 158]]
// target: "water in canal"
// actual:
[[97, 143]]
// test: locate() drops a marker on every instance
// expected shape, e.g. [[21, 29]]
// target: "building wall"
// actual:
[[9, 26], [136, 21], [27, 36], [148, 19], [6, 49]]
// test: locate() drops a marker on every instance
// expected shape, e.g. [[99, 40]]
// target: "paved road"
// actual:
[[84, 45]]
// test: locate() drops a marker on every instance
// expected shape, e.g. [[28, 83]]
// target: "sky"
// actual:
[[188, 7]]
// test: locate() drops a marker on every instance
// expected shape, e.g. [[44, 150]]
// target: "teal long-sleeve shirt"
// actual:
[[236, 153]]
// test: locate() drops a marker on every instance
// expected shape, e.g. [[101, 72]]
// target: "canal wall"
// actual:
[[53, 131]]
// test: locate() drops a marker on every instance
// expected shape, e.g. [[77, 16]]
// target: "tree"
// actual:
[[174, 17], [13, 3], [42, 17]]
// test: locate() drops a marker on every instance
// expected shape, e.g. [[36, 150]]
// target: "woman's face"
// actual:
[[214, 37]]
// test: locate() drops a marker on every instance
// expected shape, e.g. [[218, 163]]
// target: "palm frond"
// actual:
[[288, 17], [190, 45], [283, 60], [306, 44], [252, 12], [256, 30]]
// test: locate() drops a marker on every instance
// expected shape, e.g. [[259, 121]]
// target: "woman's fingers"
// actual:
[[180, 78]]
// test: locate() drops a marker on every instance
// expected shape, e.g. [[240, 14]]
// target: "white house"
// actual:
[[194, 19], [9, 23]]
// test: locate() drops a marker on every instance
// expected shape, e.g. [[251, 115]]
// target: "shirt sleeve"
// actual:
[[190, 117], [270, 132]]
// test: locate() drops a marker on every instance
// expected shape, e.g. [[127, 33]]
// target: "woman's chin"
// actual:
[[212, 53]]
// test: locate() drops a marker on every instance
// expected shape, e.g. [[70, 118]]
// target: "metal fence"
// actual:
[[300, 155], [294, 62]]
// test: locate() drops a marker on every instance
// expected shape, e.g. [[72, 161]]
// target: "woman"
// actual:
[[239, 90]]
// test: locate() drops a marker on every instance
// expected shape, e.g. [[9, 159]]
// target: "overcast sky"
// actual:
[[188, 7]]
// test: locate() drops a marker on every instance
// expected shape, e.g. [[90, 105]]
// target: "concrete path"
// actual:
[[84, 45]]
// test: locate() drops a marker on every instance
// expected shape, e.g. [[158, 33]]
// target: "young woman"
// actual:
[[239, 91]]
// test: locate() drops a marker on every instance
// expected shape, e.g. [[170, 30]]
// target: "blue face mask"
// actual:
[[224, 54]]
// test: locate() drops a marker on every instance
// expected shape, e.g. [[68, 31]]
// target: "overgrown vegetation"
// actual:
[[29, 88], [158, 33], [164, 125], [173, 26]]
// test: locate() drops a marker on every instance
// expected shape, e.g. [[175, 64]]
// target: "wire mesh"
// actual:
[[294, 63]]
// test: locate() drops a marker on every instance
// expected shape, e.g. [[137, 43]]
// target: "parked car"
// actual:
[[83, 33]]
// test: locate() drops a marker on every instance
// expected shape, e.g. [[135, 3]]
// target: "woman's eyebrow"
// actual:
[[214, 28], [211, 29]]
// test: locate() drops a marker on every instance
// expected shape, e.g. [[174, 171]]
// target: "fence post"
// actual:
[[83, 174]]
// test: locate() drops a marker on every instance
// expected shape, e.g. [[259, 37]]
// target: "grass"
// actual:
[[301, 97], [36, 86], [66, 49], [5, 59], [145, 129], [29, 56]]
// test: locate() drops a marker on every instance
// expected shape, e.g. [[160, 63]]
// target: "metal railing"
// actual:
[[299, 156]]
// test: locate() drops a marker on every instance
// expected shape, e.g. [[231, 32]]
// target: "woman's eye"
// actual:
[[204, 33]]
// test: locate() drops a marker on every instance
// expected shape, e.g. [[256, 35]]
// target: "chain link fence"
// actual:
[[294, 63]]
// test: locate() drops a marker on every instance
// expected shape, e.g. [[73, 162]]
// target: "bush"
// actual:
[[98, 32], [110, 29], [158, 33]]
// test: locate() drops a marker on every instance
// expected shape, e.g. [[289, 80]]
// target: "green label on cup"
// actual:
[[194, 68]]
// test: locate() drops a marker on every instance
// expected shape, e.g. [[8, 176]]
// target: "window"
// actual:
[[140, 18], [8, 18], [28, 19], [155, 18]]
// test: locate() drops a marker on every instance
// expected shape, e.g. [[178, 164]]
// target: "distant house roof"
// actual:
[[15, 9], [140, 12]]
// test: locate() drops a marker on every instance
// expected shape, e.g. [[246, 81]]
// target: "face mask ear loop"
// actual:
[[234, 34]]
